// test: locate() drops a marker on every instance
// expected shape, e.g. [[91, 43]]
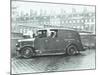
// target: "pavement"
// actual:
[[84, 60]]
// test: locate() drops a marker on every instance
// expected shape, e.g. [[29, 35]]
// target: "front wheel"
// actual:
[[72, 50], [27, 52]]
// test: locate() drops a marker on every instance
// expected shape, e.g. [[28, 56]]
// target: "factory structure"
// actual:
[[27, 23]]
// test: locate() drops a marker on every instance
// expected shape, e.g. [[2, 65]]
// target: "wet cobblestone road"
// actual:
[[85, 60]]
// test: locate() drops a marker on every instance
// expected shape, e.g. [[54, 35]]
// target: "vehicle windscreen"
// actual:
[[42, 33]]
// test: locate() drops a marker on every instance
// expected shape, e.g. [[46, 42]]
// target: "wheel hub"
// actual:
[[27, 51], [72, 51]]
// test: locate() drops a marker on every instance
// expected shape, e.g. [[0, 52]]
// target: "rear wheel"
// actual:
[[27, 52], [72, 50]]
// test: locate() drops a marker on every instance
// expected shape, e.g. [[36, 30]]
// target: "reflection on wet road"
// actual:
[[85, 60]]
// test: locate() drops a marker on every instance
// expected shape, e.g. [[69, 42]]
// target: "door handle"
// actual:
[[46, 40], [57, 40]]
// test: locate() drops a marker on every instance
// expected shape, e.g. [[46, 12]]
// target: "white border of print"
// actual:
[[5, 37]]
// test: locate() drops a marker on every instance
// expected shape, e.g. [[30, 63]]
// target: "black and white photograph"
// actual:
[[52, 37]]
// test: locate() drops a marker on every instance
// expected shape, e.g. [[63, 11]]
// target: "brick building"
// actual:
[[22, 23]]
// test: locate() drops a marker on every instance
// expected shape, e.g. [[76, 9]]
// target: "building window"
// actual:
[[81, 27], [47, 22], [40, 22], [44, 22], [45, 17], [66, 21], [92, 27], [21, 30], [74, 26], [90, 14], [74, 21], [70, 21], [78, 27], [62, 22], [82, 21], [92, 20], [78, 21], [87, 20], [58, 22]]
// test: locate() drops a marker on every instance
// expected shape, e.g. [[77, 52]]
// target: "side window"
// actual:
[[54, 33], [39, 33], [42, 33]]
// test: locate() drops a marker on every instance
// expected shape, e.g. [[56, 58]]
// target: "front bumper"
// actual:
[[85, 48], [18, 54], [18, 49]]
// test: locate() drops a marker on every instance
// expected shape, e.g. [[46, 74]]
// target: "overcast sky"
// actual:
[[50, 8]]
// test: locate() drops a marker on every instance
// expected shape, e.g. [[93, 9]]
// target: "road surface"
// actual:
[[85, 60]]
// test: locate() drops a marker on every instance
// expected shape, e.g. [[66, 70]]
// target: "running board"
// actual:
[[50, 54]]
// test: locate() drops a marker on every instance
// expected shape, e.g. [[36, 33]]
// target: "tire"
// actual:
[[27, 52], [72, 50]]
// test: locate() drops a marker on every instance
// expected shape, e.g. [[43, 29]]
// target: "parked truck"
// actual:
[[50, 42]]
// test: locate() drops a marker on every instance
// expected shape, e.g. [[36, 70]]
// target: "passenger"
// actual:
[[48, 33], [33, 35], [53, 34]]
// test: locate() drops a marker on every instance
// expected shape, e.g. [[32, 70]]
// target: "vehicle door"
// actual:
[[53, 42], [40, 42]]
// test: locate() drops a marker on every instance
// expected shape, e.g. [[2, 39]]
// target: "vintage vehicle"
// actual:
[[50, 42]]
